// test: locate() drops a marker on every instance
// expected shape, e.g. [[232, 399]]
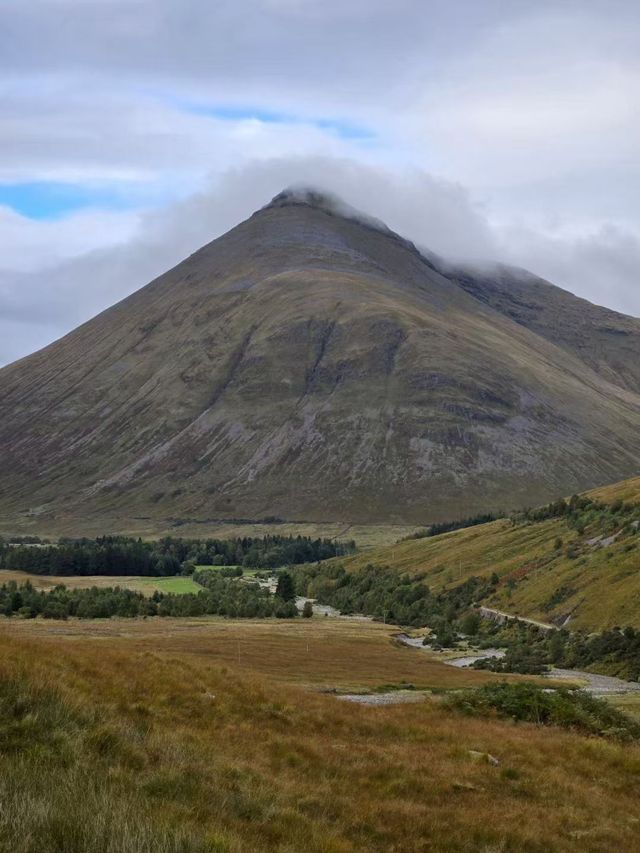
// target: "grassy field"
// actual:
[[151, 736], [322, 652], [627, 490], [600, 587], [365, 535], [146, 585], [177, 585]]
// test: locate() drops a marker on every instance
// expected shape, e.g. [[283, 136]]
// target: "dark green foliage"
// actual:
[[307, 610], [447, 526], [555, 509], [614, 652], [519, 658], [221, 596], [531, 650], [470, 623], [285, 610], [581, 512], [384, 594], [285, 588], [472, 521], [231, 572], [120, 555], [560, 707]]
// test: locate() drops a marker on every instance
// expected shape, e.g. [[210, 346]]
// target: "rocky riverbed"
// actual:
[[597, 685]]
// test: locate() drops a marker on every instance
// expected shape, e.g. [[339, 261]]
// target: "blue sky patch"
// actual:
[[48, 200], [52, 200], [340, 127]]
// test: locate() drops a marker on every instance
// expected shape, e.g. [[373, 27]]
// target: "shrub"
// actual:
[[571, 709]]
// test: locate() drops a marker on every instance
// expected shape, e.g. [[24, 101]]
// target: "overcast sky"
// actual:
[[133, 131]]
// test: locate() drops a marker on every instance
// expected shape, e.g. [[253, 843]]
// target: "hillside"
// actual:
[[606, 340], [201, 737], [315, 367], [586, 569]]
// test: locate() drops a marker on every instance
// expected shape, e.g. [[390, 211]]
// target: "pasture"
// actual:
[[146, 585]]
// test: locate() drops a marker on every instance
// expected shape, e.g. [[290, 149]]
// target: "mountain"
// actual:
[[313, 365]]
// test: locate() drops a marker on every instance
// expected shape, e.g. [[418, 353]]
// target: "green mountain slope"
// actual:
[[581, 569]]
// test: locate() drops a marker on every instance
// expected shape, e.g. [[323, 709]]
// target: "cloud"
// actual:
[[601, 266], [107, 137], [38, 306], [29, 244], [483, 130]]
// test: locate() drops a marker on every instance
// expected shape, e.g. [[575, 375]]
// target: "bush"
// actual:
[[470, 624], [569, 709], [231, 572]]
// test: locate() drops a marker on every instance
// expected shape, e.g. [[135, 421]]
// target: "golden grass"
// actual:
[[604, 583], [240, 762], [319, 652], [627, 490]]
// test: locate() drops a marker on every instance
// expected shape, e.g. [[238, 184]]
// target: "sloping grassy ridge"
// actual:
[[583, 565]]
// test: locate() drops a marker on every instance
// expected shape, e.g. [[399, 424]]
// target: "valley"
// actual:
[[308, 583], [319, 426], [209, 733]]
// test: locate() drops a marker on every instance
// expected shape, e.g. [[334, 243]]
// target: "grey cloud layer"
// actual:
[[507, 130]]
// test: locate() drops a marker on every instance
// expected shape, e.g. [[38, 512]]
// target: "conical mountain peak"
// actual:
[[325, 201], [307, 195], [312, 365]]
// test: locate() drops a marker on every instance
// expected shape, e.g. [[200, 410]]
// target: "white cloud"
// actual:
[[602, 266], [508, 130], [28, 244]]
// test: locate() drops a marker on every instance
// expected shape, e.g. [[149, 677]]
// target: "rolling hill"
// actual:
[[581, 570], [311, 365]]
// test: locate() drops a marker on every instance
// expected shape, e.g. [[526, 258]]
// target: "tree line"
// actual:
[[383, 593], [440, 527], [579, 510], [221, 597], [532, 651], [120, 555]]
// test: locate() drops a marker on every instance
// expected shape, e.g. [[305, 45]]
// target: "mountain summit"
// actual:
[[326, 202], [310, 364]]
